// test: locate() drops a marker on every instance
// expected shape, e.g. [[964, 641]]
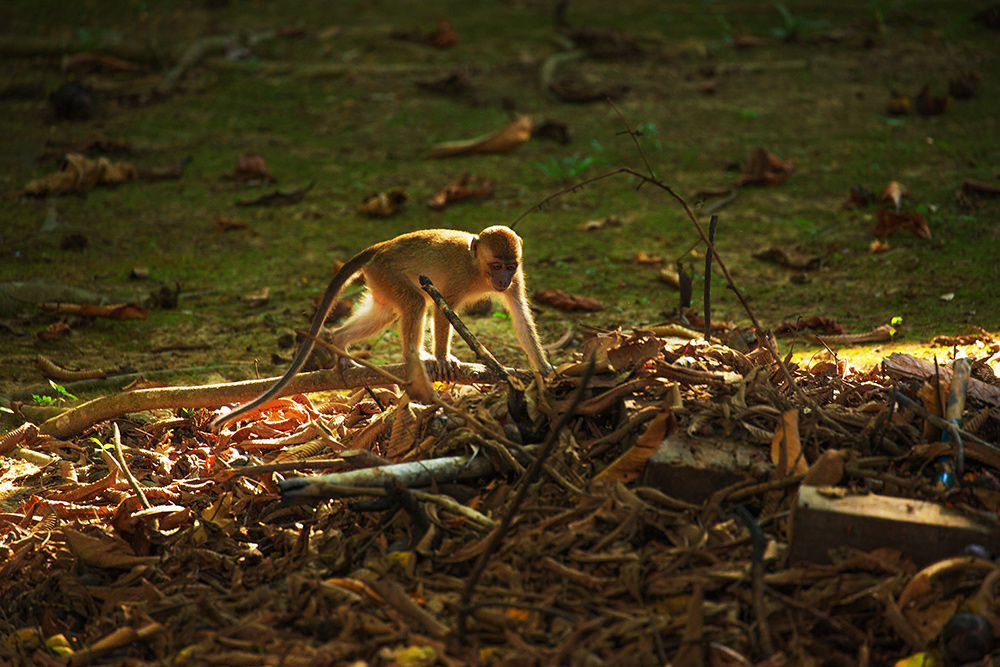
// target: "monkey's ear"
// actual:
[[474, 245]]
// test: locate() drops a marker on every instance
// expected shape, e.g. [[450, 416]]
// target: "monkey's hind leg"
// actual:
[[369, 317]]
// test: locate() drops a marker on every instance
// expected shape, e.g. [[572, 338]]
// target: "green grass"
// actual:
[[361, 130]]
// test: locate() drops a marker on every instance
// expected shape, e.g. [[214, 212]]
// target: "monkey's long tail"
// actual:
[[343, 277]]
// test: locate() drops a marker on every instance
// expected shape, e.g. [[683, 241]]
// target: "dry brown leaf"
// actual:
[[980, 188], [929, 105], [786, 449], [503, 140], [565, 301], [859, 197], [119, 311], [792, 258], [828, 470], [825, 325], [890, 222], [279, 197], [80, 175], [104, 552], [383, 204], [603, 223], [635, 350], [465, 186], [764, 168], [642, 257], [224, 224], [630, 465], [252, 167], [894, 192], [55, 330], [442, 37], [877, 246], [258, 297]]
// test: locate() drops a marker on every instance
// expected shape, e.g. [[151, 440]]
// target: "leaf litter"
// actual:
[[170, 545]]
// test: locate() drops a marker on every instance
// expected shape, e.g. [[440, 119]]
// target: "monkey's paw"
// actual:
[[446, 369]]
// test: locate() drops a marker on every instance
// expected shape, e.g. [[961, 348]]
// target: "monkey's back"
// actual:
[[443, 255]]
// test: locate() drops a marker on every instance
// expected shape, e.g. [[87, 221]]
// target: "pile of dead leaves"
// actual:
[[176, 548]]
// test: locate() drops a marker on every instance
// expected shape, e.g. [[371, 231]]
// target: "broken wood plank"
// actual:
[[923, 531], [692, 469]]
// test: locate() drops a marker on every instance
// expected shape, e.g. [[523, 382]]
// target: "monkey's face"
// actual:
[[501, 274]]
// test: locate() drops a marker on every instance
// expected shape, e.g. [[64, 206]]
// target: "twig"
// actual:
[[481, 352], [132, 481], [709, 209], [522, 491], [635, 139], [708, 279], [757, 577]]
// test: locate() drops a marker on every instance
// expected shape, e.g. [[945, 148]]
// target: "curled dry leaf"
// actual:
[[929, 105], [670, 276], [603, 223], [383, 204], [86, 63], [643, 257], [824, 325], [55, 331], [503, 140], [764, 168], [120, 311], [877, 246], [792, 258], [565, 301], [279, 197], [258, 298], [80, 175], [971, 187], [442, 37], [465, 186], [894, 192], [224, 224], [889, 222], [251, 167], [859, 197]]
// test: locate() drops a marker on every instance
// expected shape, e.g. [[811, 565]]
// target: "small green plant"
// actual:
[[807, 226], [793, 27], [61, 395], [567, 167], [649, 130]]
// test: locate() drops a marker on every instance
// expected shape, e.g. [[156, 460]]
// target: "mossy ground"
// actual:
[[341, 109]]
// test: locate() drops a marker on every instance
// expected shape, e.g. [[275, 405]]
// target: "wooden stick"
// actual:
[[481, 352]]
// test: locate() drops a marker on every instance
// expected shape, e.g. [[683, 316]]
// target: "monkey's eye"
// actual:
[[496, 266], [512, 267]]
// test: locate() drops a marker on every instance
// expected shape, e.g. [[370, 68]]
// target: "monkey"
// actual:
[[464, 267]]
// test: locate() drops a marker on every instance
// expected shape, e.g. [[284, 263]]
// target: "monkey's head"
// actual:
[[498, 252]]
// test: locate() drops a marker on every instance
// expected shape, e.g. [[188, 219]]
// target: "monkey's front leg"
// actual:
[[447, 364], [411, 330]]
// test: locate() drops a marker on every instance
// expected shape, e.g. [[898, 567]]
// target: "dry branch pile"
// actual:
[[178, 549]]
